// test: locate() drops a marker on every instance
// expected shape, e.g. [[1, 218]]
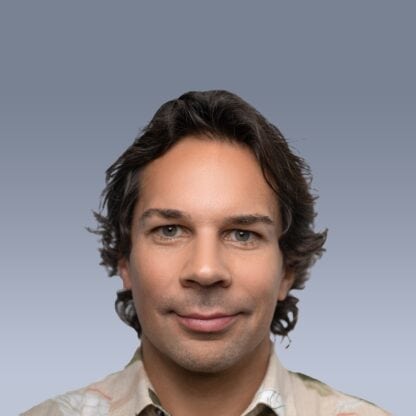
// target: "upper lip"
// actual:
[[206, 316]]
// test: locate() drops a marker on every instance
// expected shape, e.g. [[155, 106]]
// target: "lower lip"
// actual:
[[207, 325]]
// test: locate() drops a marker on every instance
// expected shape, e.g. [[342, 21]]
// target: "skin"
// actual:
[[200, 265]]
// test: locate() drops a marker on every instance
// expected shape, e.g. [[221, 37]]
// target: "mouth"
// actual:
[[208, 323]]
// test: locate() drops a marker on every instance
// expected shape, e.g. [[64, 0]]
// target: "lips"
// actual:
[[206, 323]]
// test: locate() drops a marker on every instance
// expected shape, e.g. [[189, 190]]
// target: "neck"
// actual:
[[183, 392]]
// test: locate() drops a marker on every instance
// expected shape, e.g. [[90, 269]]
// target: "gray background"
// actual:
[[80, 78]]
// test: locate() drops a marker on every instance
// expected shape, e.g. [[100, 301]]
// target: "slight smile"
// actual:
[[206, 323]]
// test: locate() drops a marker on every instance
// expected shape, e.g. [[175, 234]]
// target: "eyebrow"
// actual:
[[247, 219]]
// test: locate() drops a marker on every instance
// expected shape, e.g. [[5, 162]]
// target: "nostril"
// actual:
[[207, 280]]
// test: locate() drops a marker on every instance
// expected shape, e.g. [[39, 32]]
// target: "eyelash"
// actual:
[[162, 237]]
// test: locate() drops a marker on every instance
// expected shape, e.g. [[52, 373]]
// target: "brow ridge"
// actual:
[[244, 219]]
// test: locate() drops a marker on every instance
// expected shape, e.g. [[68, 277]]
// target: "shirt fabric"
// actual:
[[281, 393]]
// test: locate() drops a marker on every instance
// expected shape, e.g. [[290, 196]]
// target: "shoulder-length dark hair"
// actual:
[[220, 115]]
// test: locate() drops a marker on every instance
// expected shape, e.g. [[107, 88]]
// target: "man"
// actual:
[[208, 219]]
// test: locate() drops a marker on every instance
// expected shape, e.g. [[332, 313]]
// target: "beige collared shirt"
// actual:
[[130, 393]]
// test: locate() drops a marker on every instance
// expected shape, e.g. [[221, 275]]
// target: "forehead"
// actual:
[[207, 178]]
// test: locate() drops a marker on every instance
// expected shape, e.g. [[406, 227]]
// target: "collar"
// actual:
[[274, 392]]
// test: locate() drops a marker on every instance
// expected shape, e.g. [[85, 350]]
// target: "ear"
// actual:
[[286, 284], [124, 272]]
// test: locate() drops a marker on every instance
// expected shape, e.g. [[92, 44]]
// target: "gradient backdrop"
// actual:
[[78, 81]]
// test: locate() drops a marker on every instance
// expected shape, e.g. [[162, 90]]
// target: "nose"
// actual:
[[205, 264]]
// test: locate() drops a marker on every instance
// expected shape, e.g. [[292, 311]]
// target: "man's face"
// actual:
[[205, 266]]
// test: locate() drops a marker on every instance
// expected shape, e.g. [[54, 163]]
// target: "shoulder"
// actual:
[[325, 400], [94, 399], [73, 403]]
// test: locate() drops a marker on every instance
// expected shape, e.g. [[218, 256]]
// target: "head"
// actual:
[[187, 142]]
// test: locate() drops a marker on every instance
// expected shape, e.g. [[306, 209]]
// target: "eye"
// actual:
[[244, 236], [167, 232]]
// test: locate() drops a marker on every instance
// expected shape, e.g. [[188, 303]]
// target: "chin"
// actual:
[[209, 359], [204, 365]]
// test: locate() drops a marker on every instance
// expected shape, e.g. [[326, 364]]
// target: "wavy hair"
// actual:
[[219, 115]]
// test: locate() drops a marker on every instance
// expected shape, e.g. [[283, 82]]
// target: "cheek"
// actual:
[[150, 263], [152, 274], [147, 287], [262, 273]]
